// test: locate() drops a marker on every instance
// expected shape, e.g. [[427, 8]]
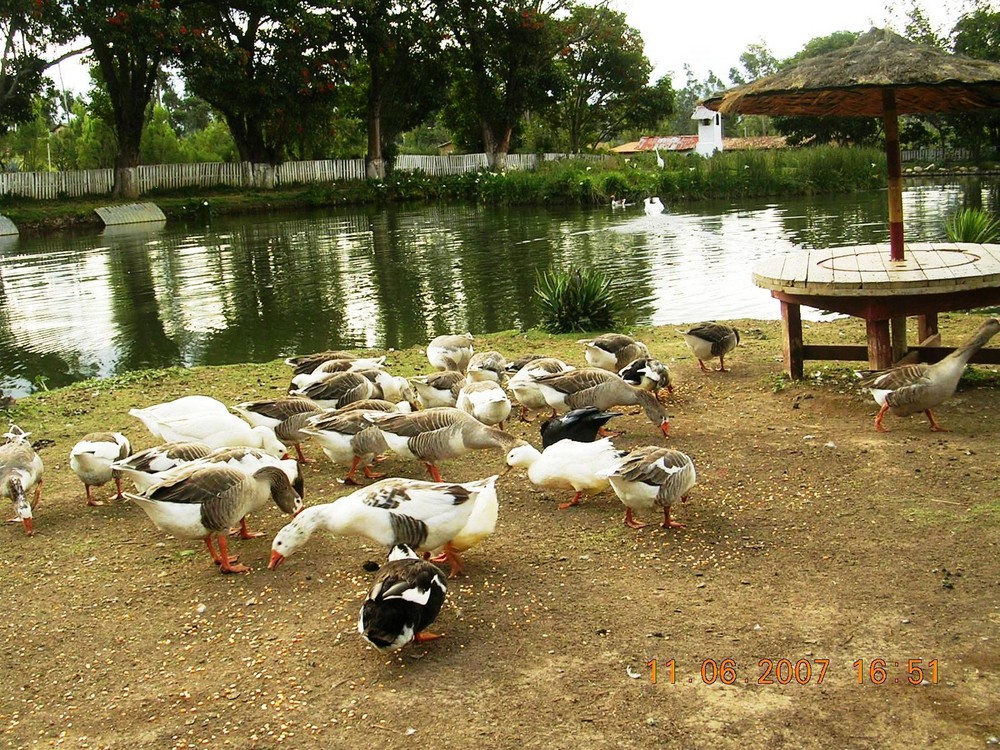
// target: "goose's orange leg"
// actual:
[[631, 522], [571, 503], [668, 523], [228, 564], [880, 416]]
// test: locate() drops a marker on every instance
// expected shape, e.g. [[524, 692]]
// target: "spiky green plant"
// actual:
[[578, 300], [972, 225]]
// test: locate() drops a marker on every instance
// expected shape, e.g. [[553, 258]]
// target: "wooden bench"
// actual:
[[860, 280]]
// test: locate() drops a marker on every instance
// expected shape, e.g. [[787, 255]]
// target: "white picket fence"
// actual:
[[51, 185]]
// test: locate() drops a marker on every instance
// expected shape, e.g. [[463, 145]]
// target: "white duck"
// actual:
[[653, 206], [20, 472], [147, 467], [909, 389], [403, 602], [92, 460], [612, 351], [486, 401], [649, 478], [707, 340], [422, 515], [567, 464], [451, 352], [186, 407], [220, 430], [207, 501], [525, 388]]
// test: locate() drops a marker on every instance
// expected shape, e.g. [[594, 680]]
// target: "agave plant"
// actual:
[[972, 225], [578, 300]]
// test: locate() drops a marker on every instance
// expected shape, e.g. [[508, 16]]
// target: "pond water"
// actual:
[[253, 289]]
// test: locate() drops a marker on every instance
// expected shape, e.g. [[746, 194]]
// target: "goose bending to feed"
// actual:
[[335, 389], [403, 602], [647, 373], [908, 389], [302, 379], [590, 386], [439, 388], [306, 363], [93, 458], [422, 515], [567, 464], [146, 467], [581, 425], [186, 407], [451, 352], [649, 478], [20, 472], [613, 351], [487, 366], [707, 340], [348, 437], [207, 501], [277, 411], [525, 388], [486, 401], [435, 435]]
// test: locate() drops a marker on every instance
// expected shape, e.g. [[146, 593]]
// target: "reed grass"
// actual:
[[578, 300], [972, 225]]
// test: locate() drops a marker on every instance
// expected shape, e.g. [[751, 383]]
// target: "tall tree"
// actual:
[[128, 42], [504, 64], [271, 67], [606, 79], [398, 46], [977, 34], [688, 97]]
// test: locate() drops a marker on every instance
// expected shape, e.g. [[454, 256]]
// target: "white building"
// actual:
[[709, 131]]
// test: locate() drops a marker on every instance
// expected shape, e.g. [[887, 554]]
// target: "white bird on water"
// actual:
[[653, 206]]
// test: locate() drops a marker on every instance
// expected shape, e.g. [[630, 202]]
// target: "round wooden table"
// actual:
[[862, 281]]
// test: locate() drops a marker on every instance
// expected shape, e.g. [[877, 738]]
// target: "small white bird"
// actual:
[[653, 206], [567, 464], [92, 460]]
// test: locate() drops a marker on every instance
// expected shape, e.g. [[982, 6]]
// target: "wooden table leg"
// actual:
[[791, 329], [927, 328], [898, 338], [879, 346]]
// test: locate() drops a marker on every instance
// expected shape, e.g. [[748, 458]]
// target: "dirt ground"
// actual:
[[819, 559]]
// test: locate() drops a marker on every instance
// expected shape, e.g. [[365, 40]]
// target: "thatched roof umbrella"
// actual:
[[880, 75]]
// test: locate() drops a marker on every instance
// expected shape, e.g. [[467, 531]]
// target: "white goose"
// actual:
[[450, 352], [422, 515], [707, 340], [653, 206], [147, 467], [207, 501], [486, 401], [612, 351], [186, 407], [650, 478], [20, 472], [567, 464], [93, 458], [220, 431], [403, 602]]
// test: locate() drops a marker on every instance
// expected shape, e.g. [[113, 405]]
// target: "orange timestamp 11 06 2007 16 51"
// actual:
[[800, 672]]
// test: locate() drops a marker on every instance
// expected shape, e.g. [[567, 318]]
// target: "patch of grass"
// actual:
[[988, 512], [578, 300], [972, 225], [977, 377]]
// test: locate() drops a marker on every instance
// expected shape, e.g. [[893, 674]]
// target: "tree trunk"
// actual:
[[126, 160], [374, 163], [496, 150]]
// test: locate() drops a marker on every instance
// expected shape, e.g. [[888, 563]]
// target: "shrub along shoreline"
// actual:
[[734, 174]]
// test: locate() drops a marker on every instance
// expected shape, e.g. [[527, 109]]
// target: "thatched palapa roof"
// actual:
[[851, 81]]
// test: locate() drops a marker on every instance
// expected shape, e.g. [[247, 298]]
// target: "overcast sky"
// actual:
[[710, 35]]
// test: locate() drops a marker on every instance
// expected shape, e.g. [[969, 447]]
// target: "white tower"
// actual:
[[709, 131]]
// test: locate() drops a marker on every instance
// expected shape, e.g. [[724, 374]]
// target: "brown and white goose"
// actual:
[[486, 401], [209, 500], [487, 366], [422, 515], [590, 386], [649, 478], [909, 389], [613, 351], [335, 389], [451, 352], [647, 373], [306, 363], [355, 364], [707, 340], [348, 437], [435, 435], [20, 472], [275, 412], [148, 466], [92, 460], [439, 388], [522, 383]]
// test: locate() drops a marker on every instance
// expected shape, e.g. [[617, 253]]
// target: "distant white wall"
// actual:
[[709, 131]]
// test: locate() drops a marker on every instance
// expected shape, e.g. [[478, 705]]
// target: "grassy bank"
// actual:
[[567, 182]]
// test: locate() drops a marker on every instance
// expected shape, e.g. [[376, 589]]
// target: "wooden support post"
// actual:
[[879, 345], [898, 330], [927, 326], [791, 329]]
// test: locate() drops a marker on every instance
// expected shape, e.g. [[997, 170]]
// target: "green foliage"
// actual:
[[972, 225], [578, 300]]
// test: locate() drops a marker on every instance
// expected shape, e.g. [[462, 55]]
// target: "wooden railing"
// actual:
[[51, 185]]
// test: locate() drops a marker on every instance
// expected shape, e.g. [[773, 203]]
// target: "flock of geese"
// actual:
[[214, 467]]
